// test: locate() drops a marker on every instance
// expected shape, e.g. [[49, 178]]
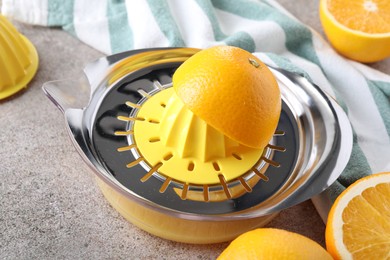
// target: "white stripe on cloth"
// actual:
[[363, 113], [264, 58], [146, 32], [314, 72], [92, 28], [370, 73], [34, 12], [260, 32], [193, 24]]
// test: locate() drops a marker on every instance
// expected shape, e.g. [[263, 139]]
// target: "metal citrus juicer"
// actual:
[[174, 176], [18, 59]]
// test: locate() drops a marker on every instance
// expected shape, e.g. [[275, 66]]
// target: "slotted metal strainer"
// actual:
[[309, 150]]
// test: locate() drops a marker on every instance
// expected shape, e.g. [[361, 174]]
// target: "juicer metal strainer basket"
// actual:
[[308, 152]]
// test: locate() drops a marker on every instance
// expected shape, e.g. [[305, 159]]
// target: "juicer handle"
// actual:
[[67, 94]]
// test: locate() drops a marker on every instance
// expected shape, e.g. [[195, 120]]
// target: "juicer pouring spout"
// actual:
[[67, 94], [72, 97]]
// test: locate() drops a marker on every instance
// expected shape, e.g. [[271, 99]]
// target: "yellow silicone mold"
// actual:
[[18, 59]]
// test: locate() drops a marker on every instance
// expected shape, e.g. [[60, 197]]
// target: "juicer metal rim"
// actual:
[[323, 170]]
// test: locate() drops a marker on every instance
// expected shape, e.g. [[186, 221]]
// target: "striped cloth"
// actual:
[[259, 26]]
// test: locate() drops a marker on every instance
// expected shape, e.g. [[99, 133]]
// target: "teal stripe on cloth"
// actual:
[[70, 29], [298, 37], [239, 39], [60, 13], [356, 168], [162, 15], [121, 35], [380, 91], [242, 40], [335, 190]]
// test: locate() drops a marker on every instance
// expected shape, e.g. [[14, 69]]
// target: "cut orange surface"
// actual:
[[233, 91], [358, 224], [369, 16], [270, 243], [360, 29]]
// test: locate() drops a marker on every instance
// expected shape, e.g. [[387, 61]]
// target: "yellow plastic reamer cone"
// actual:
[[18, 59], [184, 148], [211, 132]]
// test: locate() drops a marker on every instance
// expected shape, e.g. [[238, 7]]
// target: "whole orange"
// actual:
[[233, 91], [271, 243]]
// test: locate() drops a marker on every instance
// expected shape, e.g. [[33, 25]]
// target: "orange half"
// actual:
[[358, 224], [359, 30], [233, 91]]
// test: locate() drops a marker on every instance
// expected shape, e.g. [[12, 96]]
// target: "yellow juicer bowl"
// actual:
[[18, 59]]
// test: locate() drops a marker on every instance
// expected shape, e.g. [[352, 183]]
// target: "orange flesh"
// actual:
[[369, 16], [367, 223]]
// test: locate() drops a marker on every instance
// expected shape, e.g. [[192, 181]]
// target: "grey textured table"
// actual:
[[50, 206]]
